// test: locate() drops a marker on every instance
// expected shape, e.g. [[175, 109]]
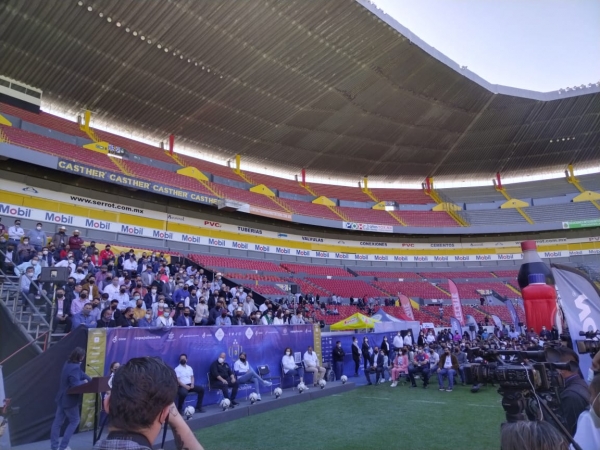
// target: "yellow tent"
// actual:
[[356, 321]]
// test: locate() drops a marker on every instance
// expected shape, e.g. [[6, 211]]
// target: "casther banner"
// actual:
[[456, 306]]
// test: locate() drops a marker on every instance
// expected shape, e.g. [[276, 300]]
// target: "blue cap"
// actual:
[[536, 278]]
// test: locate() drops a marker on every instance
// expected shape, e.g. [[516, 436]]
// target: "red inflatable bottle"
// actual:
[[540, 302], [532, 263]]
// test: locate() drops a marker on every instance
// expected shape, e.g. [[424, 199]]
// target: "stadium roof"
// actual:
[[334, 86]]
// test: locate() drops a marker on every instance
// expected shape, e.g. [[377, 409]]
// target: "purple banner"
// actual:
[[262, 344]]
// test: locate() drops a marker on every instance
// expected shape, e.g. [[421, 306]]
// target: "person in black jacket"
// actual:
[[222, 377], [366, 352], [376, 364], [62, 311], [385, 345], [575, 396], [106, 320], [338, 360], [355, 355], [421, 339]]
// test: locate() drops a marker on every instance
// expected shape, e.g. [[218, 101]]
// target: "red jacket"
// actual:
[[105, 255], [75, 242]]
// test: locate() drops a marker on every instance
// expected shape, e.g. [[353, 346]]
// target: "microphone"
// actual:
[[97, 373]]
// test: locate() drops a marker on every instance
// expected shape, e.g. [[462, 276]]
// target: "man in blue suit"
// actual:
[[185, 320], [68, 404]]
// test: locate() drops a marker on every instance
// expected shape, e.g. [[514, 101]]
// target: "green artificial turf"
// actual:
[[371, 417]]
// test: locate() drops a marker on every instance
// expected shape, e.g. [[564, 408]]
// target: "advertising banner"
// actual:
[[456, 306], [497, 321], [405, 303], [355, 226], [263, 345], [580, 303], [455, 326], [95, 358], [513, 314], [581, 224]]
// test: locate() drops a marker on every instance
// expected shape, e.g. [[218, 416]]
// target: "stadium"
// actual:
[[316, 154]]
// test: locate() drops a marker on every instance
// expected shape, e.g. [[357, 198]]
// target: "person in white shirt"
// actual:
[[165, 321], [201, 317], [398, 342], [70, 263], [311, 364], [278, 319], [123, 297], [249, 306], [588, 424], [408, 339], [243, 296], [130, 264], [434, 359], [297, 319], [246, 374], [430, 338], [289, 366], [185, 378], [112, 288], [15, 233]]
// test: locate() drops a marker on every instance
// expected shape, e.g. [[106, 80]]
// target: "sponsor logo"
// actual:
[[400, 258], [30, 189], [440, 258], [240, 245], [282, 235], [420, 258], [552, 254], [58, 218], [208, 223], [283, 251], [216, 242], [12, 211], [408, 245], [381, 258], [594, 239], [90, 223], [249, 230], [176, 218], [302, 252], [476, 244], [138, 231], [506, 257], [442, 245], [190, 238], [312, 239], [483, 257], [362, 257], [594, 251], [374, 244], [461, 258], [342, 255], [341, 242], [587, 322], [322, 254], [262, 248], [162, 235], [575, 253]]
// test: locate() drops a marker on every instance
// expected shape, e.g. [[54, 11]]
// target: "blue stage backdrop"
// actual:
[[262, 344], [328, 341]]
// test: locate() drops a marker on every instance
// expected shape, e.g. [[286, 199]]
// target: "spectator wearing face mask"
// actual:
[[165, 320], [46, 259], [246, 374], [34, 262], [106, 255], [187, 384], [62, 312], [60, 238], [69, 262], [185, 319], [85, 317], [139, 311], [122, 296], [267, 318], [25, 285], [151, 297], [25, 250], [420, 366], [37, 237], [448, 366], [129, 263], [223, 319], [201, 317], [10, 259], [79, 301], [15, 233], [112, 287], [79, 274], [146, 321]]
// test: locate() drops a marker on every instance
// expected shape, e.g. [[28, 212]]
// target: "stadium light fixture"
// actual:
[[135, 33], [89, 8], [109, 19], [149, 41], [158, 46], [127, 29], [118, 24], [143, 38], [101, 15], [79, 3]]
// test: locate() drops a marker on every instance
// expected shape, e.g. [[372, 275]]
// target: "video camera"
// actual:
[[590, 345]]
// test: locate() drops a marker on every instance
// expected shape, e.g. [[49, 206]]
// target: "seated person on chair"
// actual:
[[311, 364], [376, 363], [448, 365], [463, 364], [222, 377], [434, 359], [289, 366], [185, 379], [420, 366], [246, 374], [400, 366]]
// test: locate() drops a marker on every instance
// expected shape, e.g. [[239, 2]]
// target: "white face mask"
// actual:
[[221, 360], [148, 316], [287, 353], [38, 228]]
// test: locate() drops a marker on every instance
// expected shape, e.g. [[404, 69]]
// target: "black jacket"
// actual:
[[338, 354], [220, 370], [355, 352], [365, 350], [574, 399]]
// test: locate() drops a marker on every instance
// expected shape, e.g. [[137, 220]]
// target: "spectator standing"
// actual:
[[37, 237], [15, 233], [338, 360], [356, 351], [408, 339], [60, 239]]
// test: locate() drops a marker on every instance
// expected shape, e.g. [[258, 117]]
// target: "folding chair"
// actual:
[[264, 372]]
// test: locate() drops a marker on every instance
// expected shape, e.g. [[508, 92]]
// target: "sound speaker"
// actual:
[[294, 289], [58, 275]]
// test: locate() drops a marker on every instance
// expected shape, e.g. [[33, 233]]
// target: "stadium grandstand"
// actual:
[[287, 165]]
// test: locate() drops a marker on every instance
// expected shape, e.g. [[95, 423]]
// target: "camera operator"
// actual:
[[575, 396], [534, 435], [588, 424]]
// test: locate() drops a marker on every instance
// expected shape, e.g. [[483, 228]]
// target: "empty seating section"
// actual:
[[426, 218], [365, 215], [541, 188], [253, 276], [590, 182], [381, 274], [43, 119], [222, 262], [506, 273], [340, 192], [311, 209], [483, 194], [402, 196], [248, 197], [452, 275], [308, 288], [347, 287], [556, 213], [133, 146], [495, 217], [317, 270], [58, 148], [420, 289], [281, 184], [502, 312], [209, 167], [476, 313], [164, 176], [468, 291], [267, 289]]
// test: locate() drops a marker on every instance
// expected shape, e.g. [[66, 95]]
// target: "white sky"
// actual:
[[541, 45]]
